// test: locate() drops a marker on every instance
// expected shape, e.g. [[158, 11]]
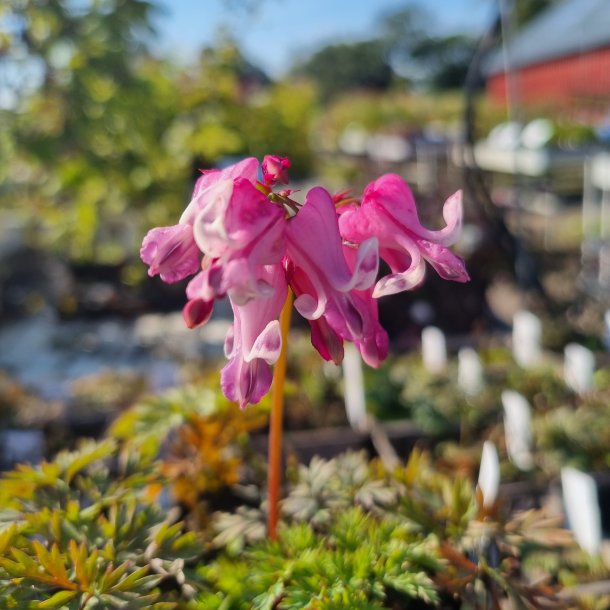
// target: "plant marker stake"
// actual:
[[470, 371], [578, 368], [434, 349], [489, 473], [518, 429], [582, 508], [274, 475], [527, 333], [355, 398]]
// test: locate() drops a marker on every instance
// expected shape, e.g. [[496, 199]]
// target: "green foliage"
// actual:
[[204, 439], [356, 536], [105, 143], [85, 531], [329, 570], [148, 422], [578, 437], [81, 532], [340, 68]]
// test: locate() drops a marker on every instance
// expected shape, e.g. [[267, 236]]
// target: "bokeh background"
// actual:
[[109, 109]]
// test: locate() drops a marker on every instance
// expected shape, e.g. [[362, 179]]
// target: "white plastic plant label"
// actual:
[[434, 349], [527, 335], [470, 371], [489, 473], [518, 429], [582, 508], [578, 367], [354, 395]]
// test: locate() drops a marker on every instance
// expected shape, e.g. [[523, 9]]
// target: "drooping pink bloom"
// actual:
[[388, 211], [170, 252], [239, 232], [321, 278], [197, 312], [275, 169], [374, 343], [246, 169], [255, 342]]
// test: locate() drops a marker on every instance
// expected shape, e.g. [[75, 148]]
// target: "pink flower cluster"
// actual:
[[242, 240]]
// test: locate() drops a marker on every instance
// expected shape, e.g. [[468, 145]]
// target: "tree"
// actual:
[[344, 67], [88, 114], [424, 58], [526, 10], [102, 140], [443, 62]]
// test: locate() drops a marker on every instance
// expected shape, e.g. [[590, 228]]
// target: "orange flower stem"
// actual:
[[274, 475]]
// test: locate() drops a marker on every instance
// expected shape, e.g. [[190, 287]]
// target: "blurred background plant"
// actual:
[[102, 134]]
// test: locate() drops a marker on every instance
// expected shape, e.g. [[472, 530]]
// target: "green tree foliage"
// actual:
[[444, 60], [102, 139], [85, 135], [526, 10], [339, 68], [426, 59]]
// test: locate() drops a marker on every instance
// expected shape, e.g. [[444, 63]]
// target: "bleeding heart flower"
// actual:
[[170, 252], [254, 342], [388, 211], [235, 232], [374, 343], [239, 234], [246, 169], [323, 282]]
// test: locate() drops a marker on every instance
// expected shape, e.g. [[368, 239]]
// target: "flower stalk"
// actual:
[[274, 474]]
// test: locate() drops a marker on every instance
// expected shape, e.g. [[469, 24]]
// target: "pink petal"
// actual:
[[206, 187], [326, 341], [245, 382], [448, 265], [373, 341], [242, 233], [209, 220], [207, 284], [197, 312], [407, 266], [366, 266], [388, 212], [275, 169], [315, 246], [171, 252], [268, 344], [247, 168], [393, 195], [255, 342]]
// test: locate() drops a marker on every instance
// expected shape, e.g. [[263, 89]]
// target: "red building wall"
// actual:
[[559, 81]]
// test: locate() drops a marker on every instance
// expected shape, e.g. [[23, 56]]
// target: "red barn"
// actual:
[[562, 58]]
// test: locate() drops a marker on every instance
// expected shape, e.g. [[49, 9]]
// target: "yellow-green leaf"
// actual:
[[58, 599]]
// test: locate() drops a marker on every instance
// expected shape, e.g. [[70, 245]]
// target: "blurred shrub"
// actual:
[[106, 392], [102, 138]]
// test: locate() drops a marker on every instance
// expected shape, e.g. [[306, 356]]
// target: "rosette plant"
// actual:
[[248, 240]]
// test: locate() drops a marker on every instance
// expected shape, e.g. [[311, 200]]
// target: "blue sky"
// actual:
[[272, 33]]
